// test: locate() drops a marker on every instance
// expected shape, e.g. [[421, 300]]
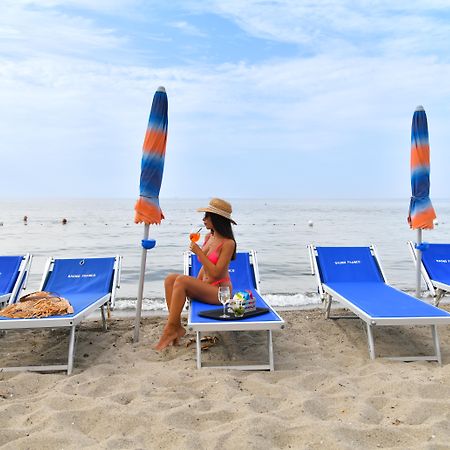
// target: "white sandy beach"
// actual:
[[324, 393]]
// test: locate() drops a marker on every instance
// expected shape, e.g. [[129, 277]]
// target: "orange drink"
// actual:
[[194, 237]]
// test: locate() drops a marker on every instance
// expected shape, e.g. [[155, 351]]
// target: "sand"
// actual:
[[324, 394]]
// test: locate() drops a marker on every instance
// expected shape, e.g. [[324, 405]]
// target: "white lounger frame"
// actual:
[[21, 282], [327, 294], [61, 322], [239, 325], [436, 288]]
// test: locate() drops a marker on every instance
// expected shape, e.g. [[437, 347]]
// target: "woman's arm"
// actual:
[[204, 248], [201, 273]]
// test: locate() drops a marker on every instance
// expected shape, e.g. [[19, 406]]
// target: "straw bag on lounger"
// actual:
[[38, 304]]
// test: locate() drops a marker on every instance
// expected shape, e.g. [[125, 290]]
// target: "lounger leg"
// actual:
[[439, 296], [104, 324], [437, 347], [199, 350], [71, 350], [370, 341], [327, 306], [328, 301], [270, 344]]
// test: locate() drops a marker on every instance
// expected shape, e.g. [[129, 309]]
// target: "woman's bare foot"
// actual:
[[180, 333], [169, 336]]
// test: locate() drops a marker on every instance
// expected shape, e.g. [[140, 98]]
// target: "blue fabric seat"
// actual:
[[13, 275], [435, 267], [383, 301], [81, 281], [243, 278], [353, 276]]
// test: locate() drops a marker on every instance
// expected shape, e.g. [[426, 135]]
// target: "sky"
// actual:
[[270, 99]]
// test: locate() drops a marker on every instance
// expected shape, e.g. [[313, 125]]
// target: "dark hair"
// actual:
[[223, 226]]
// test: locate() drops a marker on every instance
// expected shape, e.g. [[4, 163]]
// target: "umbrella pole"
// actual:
[[137, 320], [418, 262]]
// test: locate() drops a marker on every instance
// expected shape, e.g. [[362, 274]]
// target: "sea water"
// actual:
[[279, 230]]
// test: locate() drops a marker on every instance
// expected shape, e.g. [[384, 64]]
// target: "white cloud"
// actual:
[[187, 28], [98, 5], [323, 26], [92, 117], [31, 32], [73, 122]]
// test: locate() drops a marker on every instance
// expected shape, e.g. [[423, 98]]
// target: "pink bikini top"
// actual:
[[214, 255]]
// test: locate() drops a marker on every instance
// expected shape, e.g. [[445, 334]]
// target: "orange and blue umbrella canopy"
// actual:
[[153, 152], [421, 211]]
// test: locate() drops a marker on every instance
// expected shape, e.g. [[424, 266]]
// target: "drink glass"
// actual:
[[194, 235], [238, 308], [224, 295]]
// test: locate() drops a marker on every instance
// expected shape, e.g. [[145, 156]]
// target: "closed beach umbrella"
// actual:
[[421, 211], [147, 207]]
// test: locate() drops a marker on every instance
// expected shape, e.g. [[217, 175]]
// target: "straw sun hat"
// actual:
[[220, 207]]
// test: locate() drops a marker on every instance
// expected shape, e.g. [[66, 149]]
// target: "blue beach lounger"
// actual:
[[244, 275], [88, 284], [354, 276], [13, 276], [435, 268]]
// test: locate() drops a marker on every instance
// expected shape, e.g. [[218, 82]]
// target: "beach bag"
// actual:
[[38, 304]]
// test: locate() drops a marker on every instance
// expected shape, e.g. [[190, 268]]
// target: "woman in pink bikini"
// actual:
[[218, 250]]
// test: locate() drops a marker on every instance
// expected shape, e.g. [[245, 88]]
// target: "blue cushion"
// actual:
[[81, 276], [197, 306], [9, 271], [382, 300], [81, 281], [348, 264], [436, 259], [242, 278], [240, 270]]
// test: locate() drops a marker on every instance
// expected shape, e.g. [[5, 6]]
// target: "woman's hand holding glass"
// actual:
[[194, 237]]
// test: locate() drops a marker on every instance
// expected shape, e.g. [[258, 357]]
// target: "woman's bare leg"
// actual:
[[168, 287], [184, 286]]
